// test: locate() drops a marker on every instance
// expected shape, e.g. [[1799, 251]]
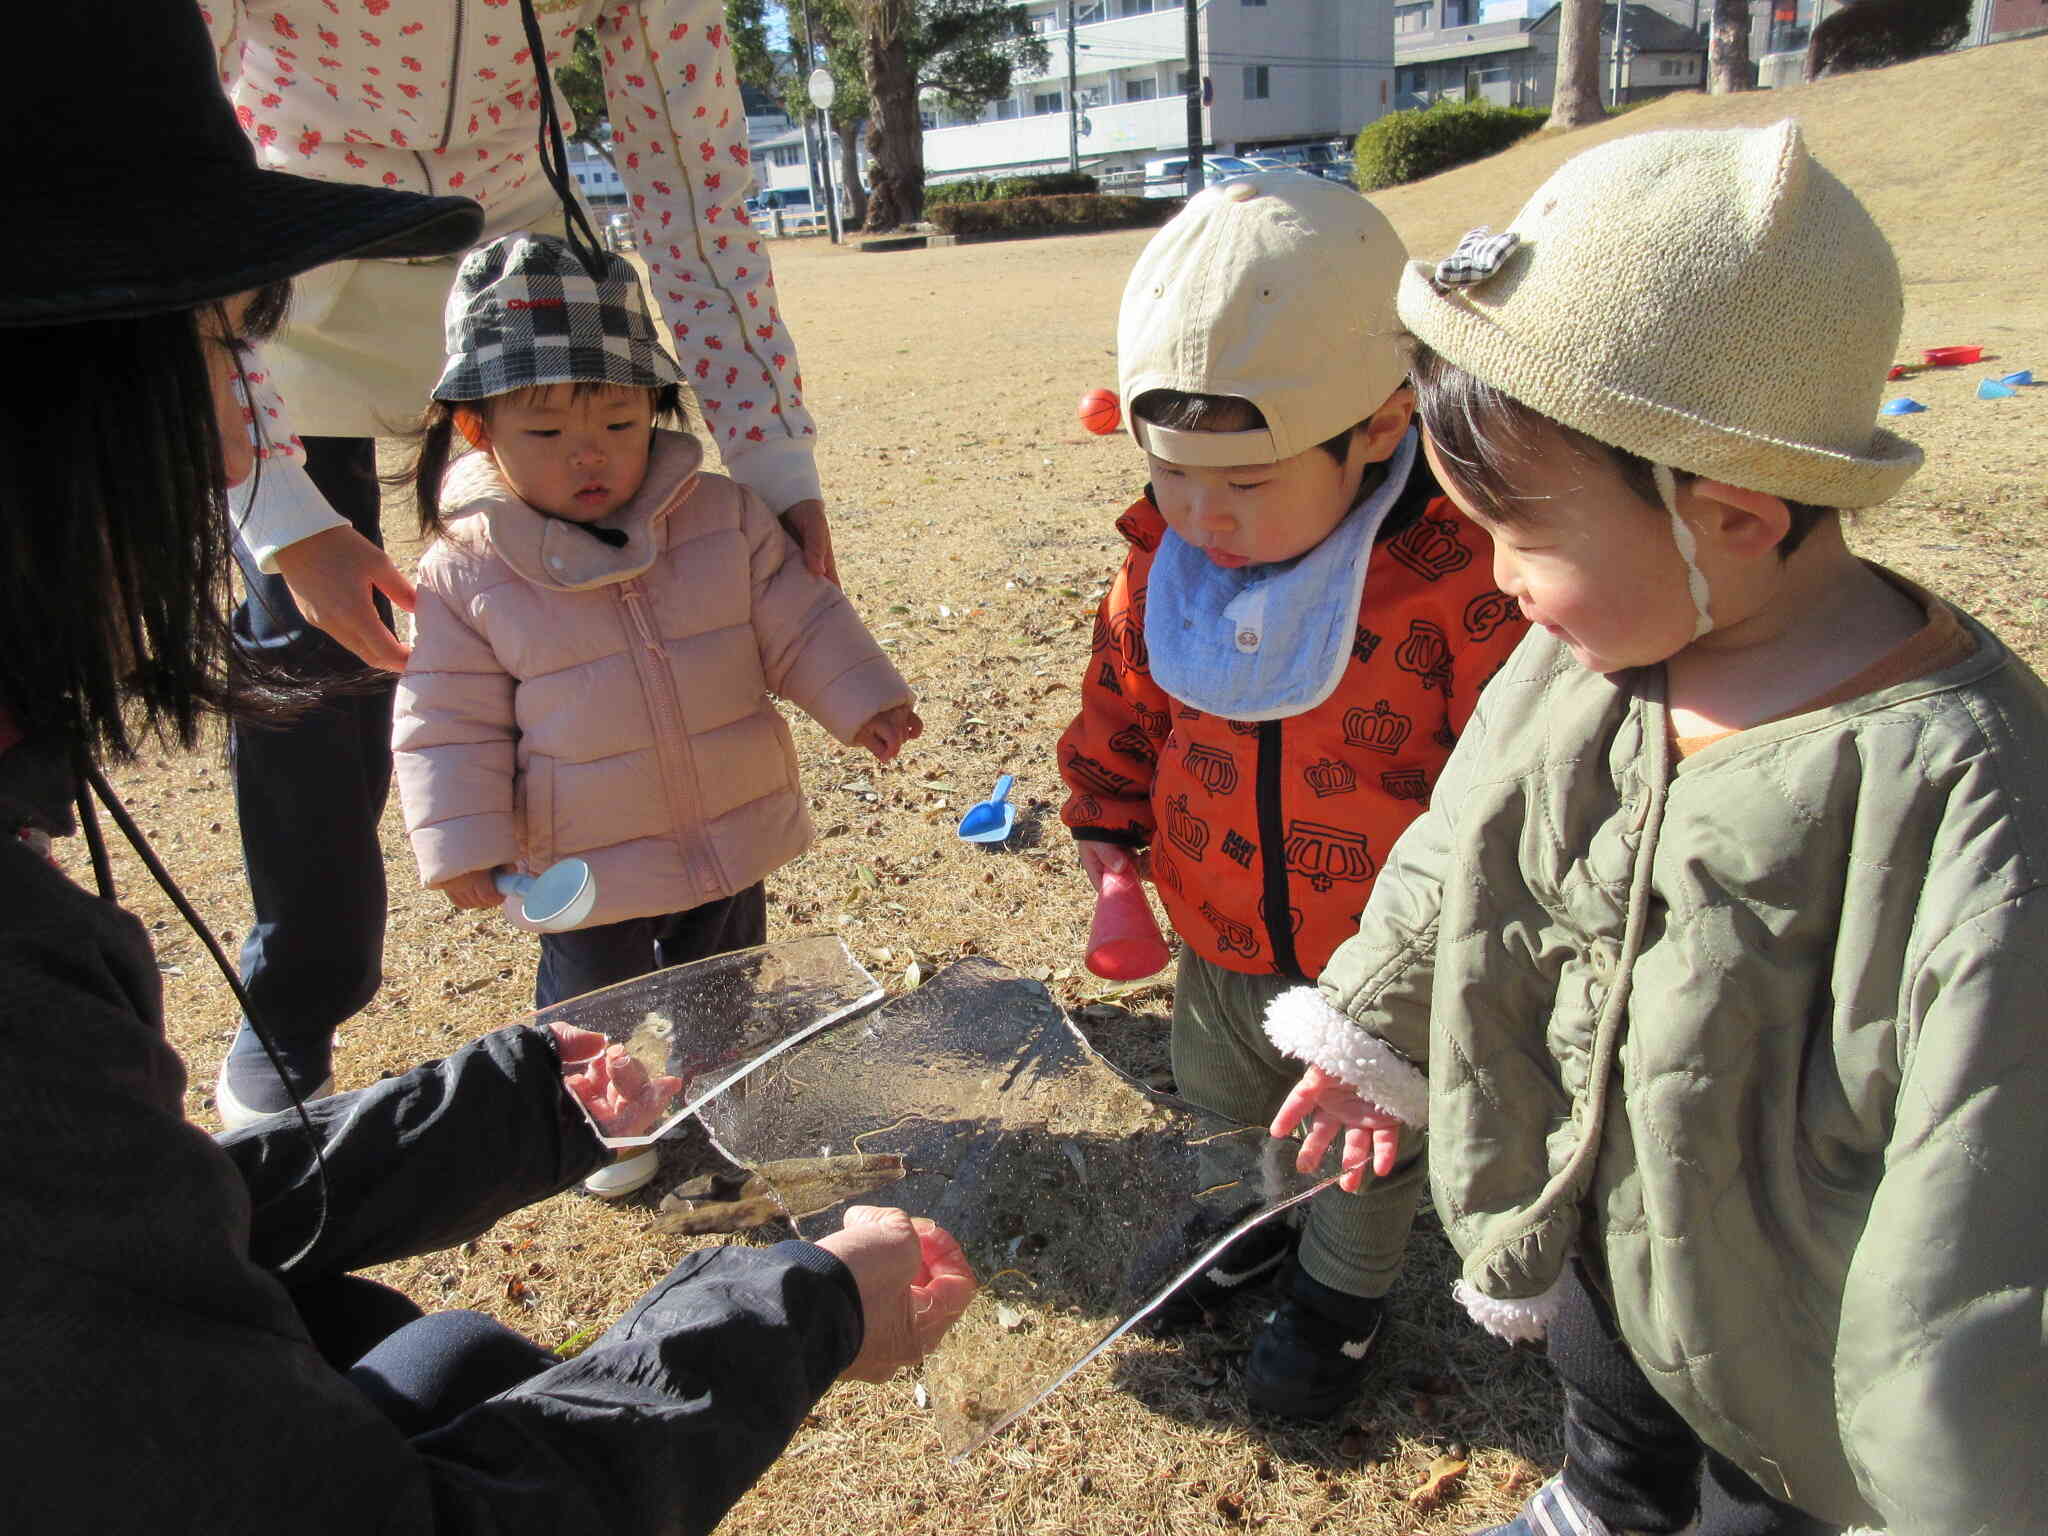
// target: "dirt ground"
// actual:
[[973, 522]]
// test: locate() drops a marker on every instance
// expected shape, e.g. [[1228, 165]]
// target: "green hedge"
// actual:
[[1022, 215], [1407, 146], [984, 190]]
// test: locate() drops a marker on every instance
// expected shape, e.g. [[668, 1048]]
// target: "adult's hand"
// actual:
[[334, 577], [805, 522], [914, 1283], [621, 1095]]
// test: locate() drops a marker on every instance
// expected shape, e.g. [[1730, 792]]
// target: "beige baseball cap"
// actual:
[[1714, 301], [1276, 288]]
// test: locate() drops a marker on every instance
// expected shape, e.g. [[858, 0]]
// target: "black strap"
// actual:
[[554, 154], [89, 774]]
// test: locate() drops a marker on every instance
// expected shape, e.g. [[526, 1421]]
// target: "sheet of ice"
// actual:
[[1076, 1192], [712, 1022]]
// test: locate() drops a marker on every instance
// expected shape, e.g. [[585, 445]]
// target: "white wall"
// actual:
[[1328, 72]]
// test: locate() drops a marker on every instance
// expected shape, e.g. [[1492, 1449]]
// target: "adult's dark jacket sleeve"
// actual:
[[158, 1377], [415, 1163]]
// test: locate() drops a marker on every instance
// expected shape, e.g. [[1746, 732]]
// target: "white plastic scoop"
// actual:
[[559, 897]]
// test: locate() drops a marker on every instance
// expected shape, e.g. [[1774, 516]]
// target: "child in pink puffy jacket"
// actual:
[[601, 626]]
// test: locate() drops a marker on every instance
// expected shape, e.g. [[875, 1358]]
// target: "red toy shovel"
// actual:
[[1124, 943]]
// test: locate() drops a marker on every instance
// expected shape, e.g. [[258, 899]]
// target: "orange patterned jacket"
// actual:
[[1249, 822]]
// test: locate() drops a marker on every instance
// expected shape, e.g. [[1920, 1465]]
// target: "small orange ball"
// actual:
[[1100, 412]]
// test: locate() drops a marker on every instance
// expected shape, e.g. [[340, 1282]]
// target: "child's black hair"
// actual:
[[433, 441], [1480, 435], [1180, 411]]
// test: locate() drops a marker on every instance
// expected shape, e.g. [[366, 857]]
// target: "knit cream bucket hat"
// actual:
[[1712, 301]]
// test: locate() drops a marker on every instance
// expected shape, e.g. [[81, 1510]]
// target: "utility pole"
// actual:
[[1194, 182], [824, 161], [1620, 50], [1073, 106]]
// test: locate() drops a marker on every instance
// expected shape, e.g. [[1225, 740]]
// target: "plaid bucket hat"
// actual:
[[524, 311]]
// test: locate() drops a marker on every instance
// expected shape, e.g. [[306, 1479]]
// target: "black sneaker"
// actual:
[[1246, 1266], [1311, 1358]]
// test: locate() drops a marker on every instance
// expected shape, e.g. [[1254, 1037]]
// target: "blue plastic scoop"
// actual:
[[559, 897], [990, 821]]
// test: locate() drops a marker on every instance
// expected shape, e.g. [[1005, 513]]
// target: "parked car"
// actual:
[[1168, 175], [1336, 170], [788, 199]]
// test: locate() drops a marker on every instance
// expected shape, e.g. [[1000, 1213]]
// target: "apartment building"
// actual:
[[1505, 51], [1274, 72]]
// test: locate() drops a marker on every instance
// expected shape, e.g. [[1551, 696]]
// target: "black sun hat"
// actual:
[[131, 190]]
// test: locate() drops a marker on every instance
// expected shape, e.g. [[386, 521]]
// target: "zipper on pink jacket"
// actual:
[[658, 683]]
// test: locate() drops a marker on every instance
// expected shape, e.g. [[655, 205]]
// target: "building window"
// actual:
[[1183, 82], [1136, 8], [1458, 13], [786, 154], [1255, 79], [1006, 109], [1048, 101], [1254, 2], [1411, 18], [1140, 90]]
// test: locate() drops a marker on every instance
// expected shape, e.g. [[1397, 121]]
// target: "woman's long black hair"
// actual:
[[115, 581]]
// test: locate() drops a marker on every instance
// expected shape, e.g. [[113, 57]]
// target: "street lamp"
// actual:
[[822, 91]]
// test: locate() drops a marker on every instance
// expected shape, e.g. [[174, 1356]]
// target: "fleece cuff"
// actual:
[[1302, 1024], [1525, 1321]]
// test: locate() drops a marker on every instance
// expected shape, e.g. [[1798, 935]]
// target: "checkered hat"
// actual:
[[524, 311]]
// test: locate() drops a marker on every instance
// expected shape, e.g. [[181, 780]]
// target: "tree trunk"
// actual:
[[849, 175], [895, 136], [1576, 101], [1728, 48]]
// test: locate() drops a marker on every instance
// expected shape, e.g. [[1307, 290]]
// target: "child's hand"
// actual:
[[1099, 858], [1371, 1135], [471, 890], [885, 734]]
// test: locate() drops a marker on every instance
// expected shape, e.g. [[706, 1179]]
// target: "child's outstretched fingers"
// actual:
[[1372, 1137]]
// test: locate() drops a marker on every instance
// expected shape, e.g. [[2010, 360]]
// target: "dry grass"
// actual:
[[973, 523]]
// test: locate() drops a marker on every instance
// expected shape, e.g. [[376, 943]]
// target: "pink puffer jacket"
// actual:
[[566, 697]]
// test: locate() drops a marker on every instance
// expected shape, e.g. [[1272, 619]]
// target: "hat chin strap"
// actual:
[[1688, 550]]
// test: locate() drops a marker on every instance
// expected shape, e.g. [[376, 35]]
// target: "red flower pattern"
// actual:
[[501, 143]]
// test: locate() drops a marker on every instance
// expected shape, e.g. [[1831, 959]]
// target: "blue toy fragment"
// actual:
[[1900, 405], [1993, 389], [2024, 376]]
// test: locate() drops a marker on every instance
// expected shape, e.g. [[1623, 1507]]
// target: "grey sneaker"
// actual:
[[1554, 1510]]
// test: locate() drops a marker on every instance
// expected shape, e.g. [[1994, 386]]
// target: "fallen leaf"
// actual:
[[1443, 1472], [1230, 1507]]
